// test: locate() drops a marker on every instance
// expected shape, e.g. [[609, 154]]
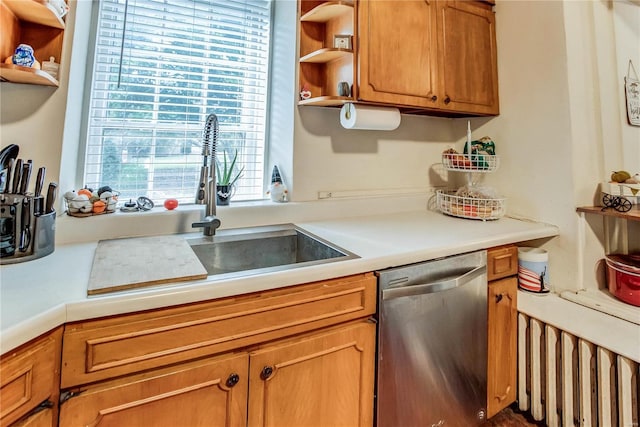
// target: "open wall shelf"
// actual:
[[633, 214]]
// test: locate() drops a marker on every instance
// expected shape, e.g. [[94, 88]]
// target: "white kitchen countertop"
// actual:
[[39, 295]]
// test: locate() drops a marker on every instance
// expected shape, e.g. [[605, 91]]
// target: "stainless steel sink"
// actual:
[[255, 250]]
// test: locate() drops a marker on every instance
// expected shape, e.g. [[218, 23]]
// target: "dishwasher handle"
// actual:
[[433, 287]]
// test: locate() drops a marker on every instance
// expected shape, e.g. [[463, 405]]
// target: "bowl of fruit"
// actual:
[[88, 202]]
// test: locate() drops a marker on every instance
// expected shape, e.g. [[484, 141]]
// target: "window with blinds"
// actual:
[[160, 68]]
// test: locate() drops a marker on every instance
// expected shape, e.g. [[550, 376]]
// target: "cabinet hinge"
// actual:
[[45, 405], [41, 407], [66, 395]]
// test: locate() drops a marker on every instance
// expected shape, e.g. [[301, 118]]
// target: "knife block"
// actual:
[[37, 234]]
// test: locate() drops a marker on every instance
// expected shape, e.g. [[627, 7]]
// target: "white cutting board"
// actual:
[[137, 262]]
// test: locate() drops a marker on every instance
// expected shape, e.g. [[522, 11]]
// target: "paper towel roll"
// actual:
[[368, 117]]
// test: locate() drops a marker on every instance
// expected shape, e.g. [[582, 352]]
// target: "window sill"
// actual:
[[159, 221], [156, 221]]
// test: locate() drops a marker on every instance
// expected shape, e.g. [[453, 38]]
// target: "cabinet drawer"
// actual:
[[99, 349], [28, 376], [502, 262]]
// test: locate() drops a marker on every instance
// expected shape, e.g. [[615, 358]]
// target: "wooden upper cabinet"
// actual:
[[398, 52], [322, 65], [424, 56], [427, 54], [467, 57], [36, 23]]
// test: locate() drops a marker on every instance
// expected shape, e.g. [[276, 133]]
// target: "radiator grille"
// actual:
[[567, 381]]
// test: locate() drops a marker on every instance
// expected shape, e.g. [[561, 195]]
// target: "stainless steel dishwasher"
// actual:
[[432, 343]]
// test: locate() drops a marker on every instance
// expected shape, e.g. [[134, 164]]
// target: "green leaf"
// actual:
[[225, 172]]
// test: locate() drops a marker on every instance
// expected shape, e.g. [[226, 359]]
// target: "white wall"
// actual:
[[626, 17], [533, 132], [331, 158], [33, 116], [602, 36], [561, 130]]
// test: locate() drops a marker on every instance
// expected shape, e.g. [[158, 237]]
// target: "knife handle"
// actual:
[[26, 176], [40, 181], [7, 187], [17, 175], [25, 225], [51, 197]]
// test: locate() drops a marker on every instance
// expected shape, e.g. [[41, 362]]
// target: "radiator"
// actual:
[[567, 381]]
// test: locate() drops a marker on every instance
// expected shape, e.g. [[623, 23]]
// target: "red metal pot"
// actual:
[[623, 277]]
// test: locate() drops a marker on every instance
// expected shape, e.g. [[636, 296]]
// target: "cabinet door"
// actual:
[[397, 63], [29, 375], [324, 380], [203, 393], [502, 338], [42, 418], [468, 61]]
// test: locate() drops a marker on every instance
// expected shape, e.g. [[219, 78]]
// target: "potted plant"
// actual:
[[226, 176]]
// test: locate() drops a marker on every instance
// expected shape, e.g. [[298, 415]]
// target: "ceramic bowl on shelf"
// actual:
[[623, 277]]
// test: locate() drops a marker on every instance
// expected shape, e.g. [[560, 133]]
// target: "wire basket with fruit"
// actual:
[[472, 203], [482, 157], [454, 161], [87, 202]]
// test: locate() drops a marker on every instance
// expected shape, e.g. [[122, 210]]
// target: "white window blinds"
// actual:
[[160, 67]]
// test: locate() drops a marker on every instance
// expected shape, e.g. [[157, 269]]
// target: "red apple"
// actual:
[[171, 204]]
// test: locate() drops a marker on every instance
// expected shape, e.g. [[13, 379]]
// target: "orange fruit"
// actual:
[[85, 191], [99, 206]]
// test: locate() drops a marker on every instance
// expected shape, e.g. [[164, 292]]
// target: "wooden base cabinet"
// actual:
[[43, 418], [30, 380], [502, 316], [324, 380], [298, 356], [103, 349], [210, 393]]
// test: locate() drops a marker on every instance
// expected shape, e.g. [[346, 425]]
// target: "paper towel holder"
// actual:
[[369, 117], [347, 113]]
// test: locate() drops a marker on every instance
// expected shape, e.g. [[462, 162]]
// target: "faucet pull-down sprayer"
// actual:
[[206, 191]]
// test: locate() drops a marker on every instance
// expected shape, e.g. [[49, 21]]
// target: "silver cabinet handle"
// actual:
[[437, 286]]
